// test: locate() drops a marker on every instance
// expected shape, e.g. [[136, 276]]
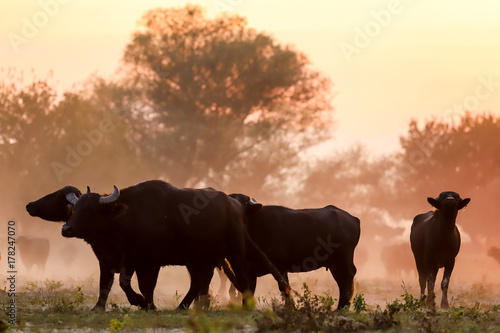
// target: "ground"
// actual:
[[380, 303]]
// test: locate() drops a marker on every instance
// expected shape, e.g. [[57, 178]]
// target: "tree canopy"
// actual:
[[215, 89]]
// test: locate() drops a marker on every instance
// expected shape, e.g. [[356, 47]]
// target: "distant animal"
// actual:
[[58, 207], [435, 242], [33, 251], [153, 224], [494, 252], [397, 259], [302, 240]]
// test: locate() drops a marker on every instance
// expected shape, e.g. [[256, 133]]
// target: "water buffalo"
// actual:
[[33, 251], [303, 240], [56, 207], [435, 242], [397, 259], [154, 224], [494, 252]]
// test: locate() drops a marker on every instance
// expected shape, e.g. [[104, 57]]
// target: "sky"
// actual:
[[390, 61]]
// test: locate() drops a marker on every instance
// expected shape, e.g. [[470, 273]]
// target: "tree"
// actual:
[[356, 182], [49, 140], [26, 126], [463, 157], [212, 90]]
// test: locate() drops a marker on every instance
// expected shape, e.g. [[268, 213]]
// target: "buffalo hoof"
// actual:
[[203, 302], [99, 308], [429, 302], [149, 307], [138, 300]]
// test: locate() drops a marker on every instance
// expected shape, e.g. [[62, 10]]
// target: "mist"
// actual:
[[228, 115]]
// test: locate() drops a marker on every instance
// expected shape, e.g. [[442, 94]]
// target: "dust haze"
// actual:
[[225, 117]]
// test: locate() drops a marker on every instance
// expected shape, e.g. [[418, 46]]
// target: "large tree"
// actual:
[[462, 157], [212, 91], [48, 140]]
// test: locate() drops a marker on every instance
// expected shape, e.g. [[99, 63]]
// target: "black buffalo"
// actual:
[[397, 259], [494, 252], [33, 251], [303, 240], [154, 224], [435, 242], [57, 207]]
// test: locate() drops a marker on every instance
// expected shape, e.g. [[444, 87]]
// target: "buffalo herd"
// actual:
[[141, 228]]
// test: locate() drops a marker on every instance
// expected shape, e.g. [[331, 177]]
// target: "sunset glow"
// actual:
[[405, 59]]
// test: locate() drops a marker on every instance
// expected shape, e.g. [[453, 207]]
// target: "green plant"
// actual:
[[359, 303], [115, 325]]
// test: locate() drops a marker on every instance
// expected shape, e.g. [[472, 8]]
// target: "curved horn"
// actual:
[[110, 198], [88, 189], [72, 198]]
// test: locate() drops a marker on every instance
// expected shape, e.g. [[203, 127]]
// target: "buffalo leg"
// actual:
[[444, 284], [205, 280], [106, 279], [422, 280], [199, 276], [240, 271], [344, 276], [147, 279], [285, 278], [431, 281], [133, 297]]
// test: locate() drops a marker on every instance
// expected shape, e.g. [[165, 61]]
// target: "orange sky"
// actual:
[[390, 61]]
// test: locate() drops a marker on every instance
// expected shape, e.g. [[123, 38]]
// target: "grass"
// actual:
[[49, 305]]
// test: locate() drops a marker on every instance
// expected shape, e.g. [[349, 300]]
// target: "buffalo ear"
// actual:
[[254, 207], [463, 203], [434, 203], [114, 210]]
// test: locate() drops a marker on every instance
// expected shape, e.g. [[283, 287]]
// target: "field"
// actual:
[[379, 304]]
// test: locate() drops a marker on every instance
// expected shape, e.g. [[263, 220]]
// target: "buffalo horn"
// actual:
[[72, 198], [110, 198]]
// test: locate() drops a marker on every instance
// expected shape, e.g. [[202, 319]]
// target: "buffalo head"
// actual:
[[448, 202], [92, 214], [250, 205], [55, 206]]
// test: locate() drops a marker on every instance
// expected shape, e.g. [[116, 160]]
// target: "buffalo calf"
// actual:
[[435, 242]]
